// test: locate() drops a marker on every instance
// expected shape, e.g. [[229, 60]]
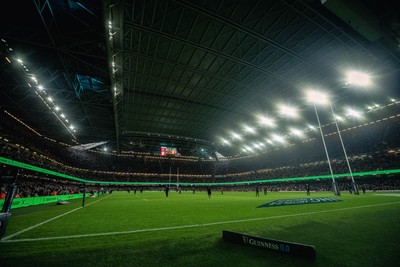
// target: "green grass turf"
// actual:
[[365, 236]]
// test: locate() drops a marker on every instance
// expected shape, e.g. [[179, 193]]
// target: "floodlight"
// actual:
[[358, 78], [353, 113], [339, 118], [236, 136], [62, 115], [249, 129], [297, 132], [71, 127], [249, 149], [317, 97], [269, 141], [56, 108], [50, 99], [278, 138], [267, 121], [224, 141], [288, 111], [311, 127], [19, 60], [256, 145], [40, 87]]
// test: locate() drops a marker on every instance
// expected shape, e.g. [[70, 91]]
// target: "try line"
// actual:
[[184, 226]]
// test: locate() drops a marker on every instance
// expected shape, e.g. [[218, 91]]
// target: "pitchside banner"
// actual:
[[32, 201], [284, 247]]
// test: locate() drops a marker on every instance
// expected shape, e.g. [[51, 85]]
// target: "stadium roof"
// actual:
[[187, 74]]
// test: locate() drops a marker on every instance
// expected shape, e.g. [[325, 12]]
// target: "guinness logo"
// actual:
[[298, 201], [284, 247], [245, 239]]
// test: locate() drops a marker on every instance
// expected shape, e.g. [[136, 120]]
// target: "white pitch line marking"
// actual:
[[388, 194], [190, 226], [49, 220]]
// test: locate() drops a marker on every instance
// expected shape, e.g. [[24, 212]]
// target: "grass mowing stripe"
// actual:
[[186, 226], [49, 220]]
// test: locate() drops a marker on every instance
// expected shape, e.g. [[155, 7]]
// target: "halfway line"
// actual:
[[191, 225]]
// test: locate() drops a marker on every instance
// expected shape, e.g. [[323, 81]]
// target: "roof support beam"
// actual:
[[114, 44]]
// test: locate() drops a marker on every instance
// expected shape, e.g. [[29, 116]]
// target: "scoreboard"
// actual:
[[164, 151]]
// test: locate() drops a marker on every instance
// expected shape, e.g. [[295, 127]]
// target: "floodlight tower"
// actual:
[[321, 99]]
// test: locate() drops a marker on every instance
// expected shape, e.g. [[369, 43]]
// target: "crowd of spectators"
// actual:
[[29, 187], [359, 163], [375, 149], [32, 186]]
